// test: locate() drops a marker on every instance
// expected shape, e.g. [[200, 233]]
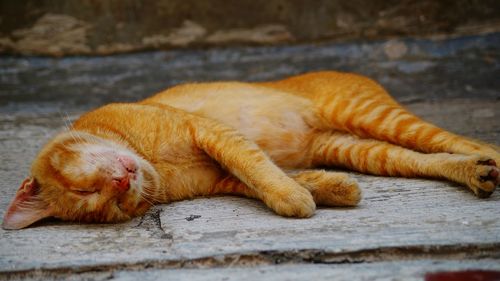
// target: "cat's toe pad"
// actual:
[[488, 162], [486, 178]]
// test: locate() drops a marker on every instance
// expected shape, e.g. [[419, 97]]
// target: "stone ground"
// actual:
[[403, 229]]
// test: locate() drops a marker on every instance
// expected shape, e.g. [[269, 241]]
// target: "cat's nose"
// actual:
[[128, 163]]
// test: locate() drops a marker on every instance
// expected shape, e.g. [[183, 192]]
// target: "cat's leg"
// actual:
[[239, 156], [381, 158], [398, 126], [327, 188], [246, 161], [359, 105]]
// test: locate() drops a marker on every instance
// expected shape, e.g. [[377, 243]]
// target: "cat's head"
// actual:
[[84, 178]]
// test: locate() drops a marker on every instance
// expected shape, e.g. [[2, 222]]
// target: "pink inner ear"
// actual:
[[26, 208], [29, 185]]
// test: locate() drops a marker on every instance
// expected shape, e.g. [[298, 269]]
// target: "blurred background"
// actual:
[[97, 27]]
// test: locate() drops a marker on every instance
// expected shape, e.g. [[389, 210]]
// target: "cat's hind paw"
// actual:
[[485, 178], [329, 188], [338, 192]]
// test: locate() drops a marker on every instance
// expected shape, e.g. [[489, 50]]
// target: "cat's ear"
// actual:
[[26, 208]]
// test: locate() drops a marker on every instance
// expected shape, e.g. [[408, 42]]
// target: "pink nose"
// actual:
[[122, 183], [128, 163]]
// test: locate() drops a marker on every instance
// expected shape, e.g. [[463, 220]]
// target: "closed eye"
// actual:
[[83, 192]]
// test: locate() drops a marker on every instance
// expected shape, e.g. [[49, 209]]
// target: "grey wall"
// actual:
[[62, 27]]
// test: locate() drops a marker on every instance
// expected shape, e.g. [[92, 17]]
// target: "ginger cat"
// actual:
[[242, 138]]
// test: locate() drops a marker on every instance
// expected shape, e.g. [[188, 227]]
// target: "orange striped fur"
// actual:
[[236, 138]]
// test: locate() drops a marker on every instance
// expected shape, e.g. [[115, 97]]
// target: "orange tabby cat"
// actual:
[[235, 138]]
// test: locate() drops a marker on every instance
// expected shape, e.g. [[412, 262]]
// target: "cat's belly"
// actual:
[[283, 135], [280, 123]]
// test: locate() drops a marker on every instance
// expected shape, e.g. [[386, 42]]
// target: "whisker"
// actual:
[[146, 199], [68, 124], [146, 193]]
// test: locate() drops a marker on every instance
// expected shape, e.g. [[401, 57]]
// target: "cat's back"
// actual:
[[204, 98], [238, 104]]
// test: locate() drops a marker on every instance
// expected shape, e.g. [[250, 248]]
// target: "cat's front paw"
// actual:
[[296, 202]]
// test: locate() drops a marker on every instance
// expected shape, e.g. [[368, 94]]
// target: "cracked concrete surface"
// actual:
[[402, 229]]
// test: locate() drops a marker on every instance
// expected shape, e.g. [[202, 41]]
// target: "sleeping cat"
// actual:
[[258, 140]]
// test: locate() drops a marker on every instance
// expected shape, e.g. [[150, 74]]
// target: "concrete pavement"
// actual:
[[402, 229]]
